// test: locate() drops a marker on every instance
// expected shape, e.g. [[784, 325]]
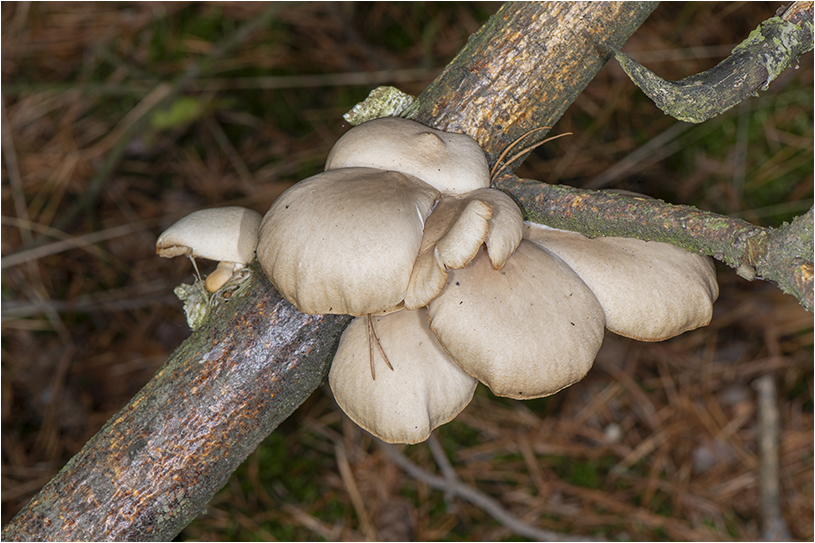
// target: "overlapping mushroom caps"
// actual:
[[346, 240], [402, 230]]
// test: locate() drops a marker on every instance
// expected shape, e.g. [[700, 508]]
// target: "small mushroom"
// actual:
[[228, 235], [344, 241], [451, 163], [527, 330], [425, 390], [649, 290]]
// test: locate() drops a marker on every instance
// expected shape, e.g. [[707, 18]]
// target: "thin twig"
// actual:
[[86, 242], [783, 255], [347, 475], [774, 526], [138, 87], [477, 498], [310, 522], [444, 465], [155, 293]]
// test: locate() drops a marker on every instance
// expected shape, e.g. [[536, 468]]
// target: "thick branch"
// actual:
[[155, 464], [151, 469], [782, 255], [524, 67], [770, 49]]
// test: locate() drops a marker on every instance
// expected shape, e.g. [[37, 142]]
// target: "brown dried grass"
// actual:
[[658, 442]]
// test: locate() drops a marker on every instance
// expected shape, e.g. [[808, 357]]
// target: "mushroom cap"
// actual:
[[452, 235], [506, 225], [344, 241], [527, 330], [425, 389], [454, 232], [452, 163], [649, 290], [224, 234]]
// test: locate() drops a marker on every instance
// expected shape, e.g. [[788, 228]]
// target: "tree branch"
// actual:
[[769, 50], [783, 255], [524, 67], [157, 462], [153, 466]]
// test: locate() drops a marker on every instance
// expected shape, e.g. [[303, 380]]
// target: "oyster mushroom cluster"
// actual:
[[451, 287]]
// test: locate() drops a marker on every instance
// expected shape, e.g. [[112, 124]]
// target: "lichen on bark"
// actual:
[[783, 255], [753, 64]]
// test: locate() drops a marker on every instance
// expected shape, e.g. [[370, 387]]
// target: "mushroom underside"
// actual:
[[223, 234], [228, 235]]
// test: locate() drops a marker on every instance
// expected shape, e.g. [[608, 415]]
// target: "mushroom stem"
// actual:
[[374, 338], [195, 267], [220, 276]]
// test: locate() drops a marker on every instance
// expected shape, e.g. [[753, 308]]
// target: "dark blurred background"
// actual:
[[658, 442]]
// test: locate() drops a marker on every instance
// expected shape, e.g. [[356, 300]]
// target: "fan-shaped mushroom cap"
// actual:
[[425, 389], [344, 241], [453, 233], [450, 162], [527, 330], [224, 234], [649, 290]]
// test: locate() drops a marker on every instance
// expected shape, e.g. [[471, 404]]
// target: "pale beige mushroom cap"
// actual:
[[527, 330], [453, 234], [425, 389], [649, 291], [223, 234], [344, 241], [452, 163]]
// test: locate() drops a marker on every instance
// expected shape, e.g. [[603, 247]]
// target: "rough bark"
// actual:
[[153, 466], [524, 67], [770, 49], [156, 463]]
